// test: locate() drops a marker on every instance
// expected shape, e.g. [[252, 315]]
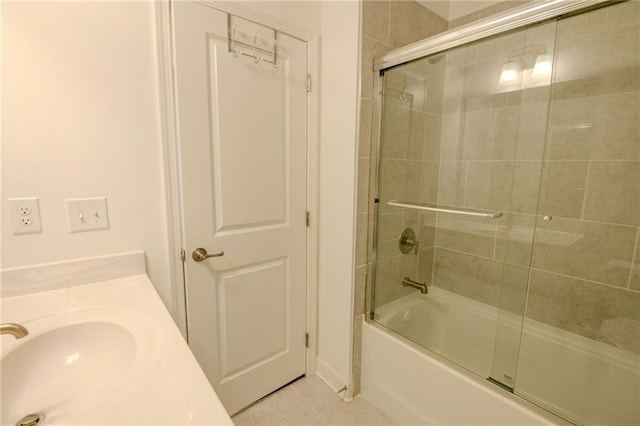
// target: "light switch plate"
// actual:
[[25, 215], [87, 214]]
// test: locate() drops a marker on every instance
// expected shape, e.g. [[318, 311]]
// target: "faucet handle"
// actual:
[[407, 241]]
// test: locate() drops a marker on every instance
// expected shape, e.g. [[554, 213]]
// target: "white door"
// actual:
[[243, 139]]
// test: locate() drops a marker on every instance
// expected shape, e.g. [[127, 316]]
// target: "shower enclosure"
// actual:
[[507, 209]]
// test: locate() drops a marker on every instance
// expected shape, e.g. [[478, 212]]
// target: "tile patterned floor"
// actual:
[[309, 401]]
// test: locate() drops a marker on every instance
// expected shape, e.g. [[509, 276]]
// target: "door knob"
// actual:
[[201, 254]]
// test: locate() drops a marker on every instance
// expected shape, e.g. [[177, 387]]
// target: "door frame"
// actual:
[[172, 169]]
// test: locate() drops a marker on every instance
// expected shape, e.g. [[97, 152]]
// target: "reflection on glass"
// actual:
[[580, 352], [540, 124], [453, 136], [509, 73], [542, 67]]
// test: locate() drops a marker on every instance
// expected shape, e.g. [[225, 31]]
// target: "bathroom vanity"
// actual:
[[104, 352]]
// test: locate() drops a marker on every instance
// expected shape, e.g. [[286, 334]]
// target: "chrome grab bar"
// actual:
[[454, 210], [408, 282]]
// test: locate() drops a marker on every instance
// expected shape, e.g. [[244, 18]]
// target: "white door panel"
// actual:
[[252, 331], [239, 115], [242, 131]]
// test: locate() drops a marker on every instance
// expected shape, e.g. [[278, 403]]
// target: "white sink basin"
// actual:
[[101, 354], [73, 363]]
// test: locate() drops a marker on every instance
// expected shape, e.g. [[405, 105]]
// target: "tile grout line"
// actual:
[[584, 279], [466, 181], [567, 160], [409, 160], [495, 241], [389, 23], [411, 109], [586, 187], [537, 269], [479, 256], [633, 258], [376, 41]]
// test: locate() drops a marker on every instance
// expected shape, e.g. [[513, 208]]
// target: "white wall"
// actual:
[[338, 112], [80, 119]]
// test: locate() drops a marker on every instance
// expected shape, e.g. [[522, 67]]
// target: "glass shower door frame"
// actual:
[[517, 18], [521, 18], [530, 13]]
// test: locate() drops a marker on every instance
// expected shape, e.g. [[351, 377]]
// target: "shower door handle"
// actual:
[[201, 254]]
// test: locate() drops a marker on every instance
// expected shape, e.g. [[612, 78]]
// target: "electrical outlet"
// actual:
[[87, 214], [25, 215]]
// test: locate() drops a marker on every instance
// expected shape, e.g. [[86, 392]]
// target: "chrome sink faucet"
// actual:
[[16, 330]]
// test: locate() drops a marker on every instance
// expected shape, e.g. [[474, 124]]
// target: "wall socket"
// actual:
[[25, 215]]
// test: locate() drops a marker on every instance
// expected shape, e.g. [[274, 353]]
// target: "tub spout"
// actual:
[[16, 330], [408, 282]]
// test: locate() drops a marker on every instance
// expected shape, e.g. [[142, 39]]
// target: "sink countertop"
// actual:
[[145, 372]]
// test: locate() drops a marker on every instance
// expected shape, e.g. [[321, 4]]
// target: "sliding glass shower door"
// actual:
[[580, 353], [460, 164], [508, 207]]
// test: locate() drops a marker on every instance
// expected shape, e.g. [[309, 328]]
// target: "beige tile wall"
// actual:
[[410, 120], [387, 25], [491, 159], [409, 163], [486, 12], [586, 259], [590, 180]]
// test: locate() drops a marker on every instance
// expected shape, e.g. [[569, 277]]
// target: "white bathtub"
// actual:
[[416, 386]]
